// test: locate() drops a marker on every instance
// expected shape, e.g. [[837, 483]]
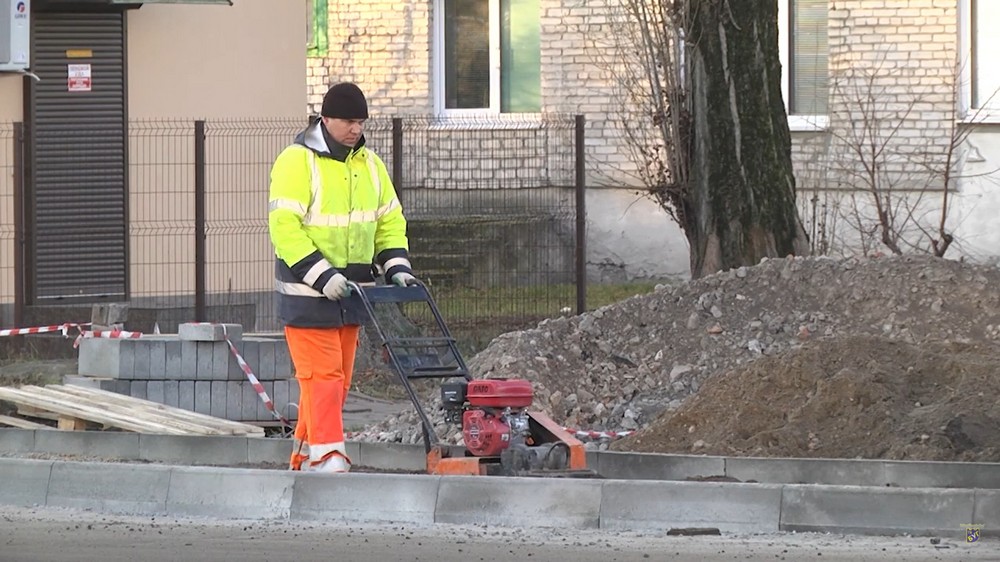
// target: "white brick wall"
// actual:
[[386, 48], [903, 54], [910, 45]]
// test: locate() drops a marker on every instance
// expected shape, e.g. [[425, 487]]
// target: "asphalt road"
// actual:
[[55, 535]]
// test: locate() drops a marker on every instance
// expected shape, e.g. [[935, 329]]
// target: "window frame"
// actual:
[[493, 114], [796, 122], [437, 45], [967, 57], [317, 19]]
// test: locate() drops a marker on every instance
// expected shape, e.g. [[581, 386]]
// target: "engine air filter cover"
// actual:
[[499, 393]]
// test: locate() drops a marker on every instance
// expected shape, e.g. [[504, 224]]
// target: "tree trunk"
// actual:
[[740, 199]]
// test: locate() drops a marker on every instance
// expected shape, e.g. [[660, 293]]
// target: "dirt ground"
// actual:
[[863, 397]]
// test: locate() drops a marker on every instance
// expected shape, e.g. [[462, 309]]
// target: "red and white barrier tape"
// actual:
[[599, 434], [106, 334], [258, 388], [64, 328]]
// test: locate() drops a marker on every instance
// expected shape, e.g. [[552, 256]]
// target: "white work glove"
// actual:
[[403, 278], [336, 288]]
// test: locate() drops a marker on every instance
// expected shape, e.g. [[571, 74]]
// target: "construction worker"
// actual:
[[332, 214]]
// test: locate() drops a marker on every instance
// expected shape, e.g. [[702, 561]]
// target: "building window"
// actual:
[[316, 27], [980, 90], [488, 56], [804, 50]]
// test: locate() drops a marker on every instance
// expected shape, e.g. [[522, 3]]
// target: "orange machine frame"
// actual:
[[544, 430]]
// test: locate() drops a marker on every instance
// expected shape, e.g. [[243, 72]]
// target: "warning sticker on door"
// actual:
[[79, 77]]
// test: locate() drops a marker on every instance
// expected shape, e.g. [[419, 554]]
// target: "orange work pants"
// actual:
[[324, 363]]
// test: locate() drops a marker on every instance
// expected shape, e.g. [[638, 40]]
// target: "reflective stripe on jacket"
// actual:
[[331, 209]]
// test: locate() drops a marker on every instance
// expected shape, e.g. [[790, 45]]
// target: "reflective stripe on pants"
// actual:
[[324, 365]]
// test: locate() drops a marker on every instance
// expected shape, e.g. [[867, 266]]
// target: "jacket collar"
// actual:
[[315, 138]]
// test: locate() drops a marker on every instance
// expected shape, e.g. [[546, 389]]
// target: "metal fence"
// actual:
[[494, 211]]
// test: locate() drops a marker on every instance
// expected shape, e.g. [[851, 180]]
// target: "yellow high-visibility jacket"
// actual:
[[331, 209]]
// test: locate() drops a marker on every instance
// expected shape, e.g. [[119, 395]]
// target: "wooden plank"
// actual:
[[23, 424], [72, 424], [36, 413], [155, 407], [27, 396], [160, 411], [126, 409]]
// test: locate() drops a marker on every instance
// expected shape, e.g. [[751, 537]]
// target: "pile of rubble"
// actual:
[[621, 367]]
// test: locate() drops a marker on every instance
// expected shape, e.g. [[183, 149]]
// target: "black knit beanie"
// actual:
[[345, 101]]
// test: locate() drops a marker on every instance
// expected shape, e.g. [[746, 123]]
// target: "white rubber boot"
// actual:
[[329, 458]]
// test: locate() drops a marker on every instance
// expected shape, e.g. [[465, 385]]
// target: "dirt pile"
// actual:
[[854, 397], [623, 366]]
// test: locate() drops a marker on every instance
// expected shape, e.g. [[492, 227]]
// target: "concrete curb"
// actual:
[[240, 493], [254, 451]]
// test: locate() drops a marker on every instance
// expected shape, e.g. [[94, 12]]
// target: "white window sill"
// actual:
[[808, 123], [471, 120], [981, 117]]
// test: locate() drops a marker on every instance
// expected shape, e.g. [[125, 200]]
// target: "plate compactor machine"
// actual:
[[502, 435]]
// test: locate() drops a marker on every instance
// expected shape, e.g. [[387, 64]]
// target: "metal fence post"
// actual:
[[19, 241], [581, 217], [397, 156], [199, 221]]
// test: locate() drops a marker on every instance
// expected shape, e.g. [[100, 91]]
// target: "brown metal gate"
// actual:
[[76, 190]]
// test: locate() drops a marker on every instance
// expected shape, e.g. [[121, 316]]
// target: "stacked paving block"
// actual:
[[194, 369]]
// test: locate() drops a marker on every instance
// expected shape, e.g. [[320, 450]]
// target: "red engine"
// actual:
[[485, 434], [493, 412]]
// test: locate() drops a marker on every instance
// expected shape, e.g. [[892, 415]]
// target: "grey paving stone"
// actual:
[[265, 370], [251, 354], [100, 357], [234, 400], [32, 478], [141, 351], [394, 456], [807, 471], [189, 361], [987, 512], [157, 360], [501, 501], [249, 410], [206, 360], [13, 440], [220, 361], [185, 395], [203, 397], [156, 392], [203, 331], [138, 389], [729, 507], [870, 510], [270, 450], [230, 493], [223, 450], [109, 487], [174, 360], [220, 395], [364, 498], [283, 368], [644, 466], [171, 393]]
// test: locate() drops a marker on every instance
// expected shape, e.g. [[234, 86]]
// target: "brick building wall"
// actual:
[[386, 47], [901, 51], [382, 45], [892, 78]]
